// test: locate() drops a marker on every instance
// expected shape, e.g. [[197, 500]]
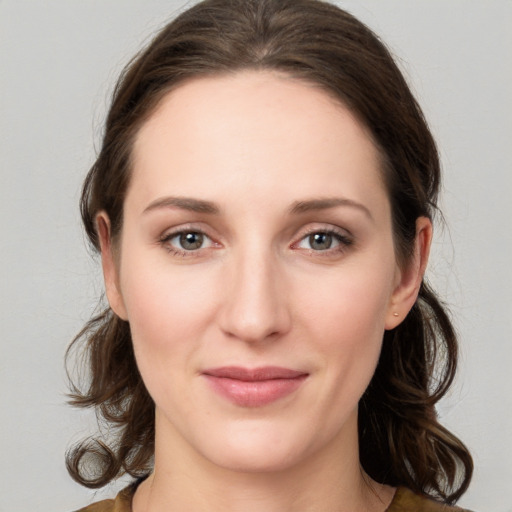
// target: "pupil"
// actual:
[[320, 241], [191, 241]]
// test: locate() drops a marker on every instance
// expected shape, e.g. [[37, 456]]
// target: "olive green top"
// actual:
[[403, 501]]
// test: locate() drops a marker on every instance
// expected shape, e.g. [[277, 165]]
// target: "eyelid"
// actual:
[[172, 236], [165, 240], [342, 236], [169, 232], [325, 228]]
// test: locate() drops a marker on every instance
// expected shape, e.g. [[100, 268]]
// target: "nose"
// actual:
[[255, 306]]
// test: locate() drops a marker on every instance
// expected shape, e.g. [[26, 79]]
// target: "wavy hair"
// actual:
[[401, 440]]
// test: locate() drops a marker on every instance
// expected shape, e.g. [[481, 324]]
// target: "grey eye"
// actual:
[[320, 241], [191, 241]]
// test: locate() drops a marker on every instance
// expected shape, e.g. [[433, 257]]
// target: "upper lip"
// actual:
[[254, 374]]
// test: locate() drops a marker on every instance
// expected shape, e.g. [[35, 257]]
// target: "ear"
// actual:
[[110, 266], [409, 279]]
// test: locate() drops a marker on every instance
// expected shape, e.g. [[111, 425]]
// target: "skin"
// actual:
[[269, 154]]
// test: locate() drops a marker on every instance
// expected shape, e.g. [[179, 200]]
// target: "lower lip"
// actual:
[[255, 393]]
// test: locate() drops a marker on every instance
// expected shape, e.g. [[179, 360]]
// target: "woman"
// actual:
[[263, 205]]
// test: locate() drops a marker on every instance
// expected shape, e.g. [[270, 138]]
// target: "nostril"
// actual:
[[254, 307], [253, 321]]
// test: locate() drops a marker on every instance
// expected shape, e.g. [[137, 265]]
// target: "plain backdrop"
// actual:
[[58, 63]]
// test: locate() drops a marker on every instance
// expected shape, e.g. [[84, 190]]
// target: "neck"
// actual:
[[183, 480]]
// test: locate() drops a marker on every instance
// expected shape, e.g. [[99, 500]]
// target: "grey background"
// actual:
[[58, 61]]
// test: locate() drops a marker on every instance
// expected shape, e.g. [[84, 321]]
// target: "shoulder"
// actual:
[[408, 501], [122, 502]]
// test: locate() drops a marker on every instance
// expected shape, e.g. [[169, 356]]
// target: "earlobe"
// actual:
[[410, 278], [110, 266]]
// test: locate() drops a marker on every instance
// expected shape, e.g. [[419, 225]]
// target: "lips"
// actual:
[[254, 387]]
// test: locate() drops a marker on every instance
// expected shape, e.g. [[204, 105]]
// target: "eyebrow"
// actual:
[[298, 207], [183, 203], [327, 203]]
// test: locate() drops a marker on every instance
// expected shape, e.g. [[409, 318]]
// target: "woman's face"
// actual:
[[257, 270]]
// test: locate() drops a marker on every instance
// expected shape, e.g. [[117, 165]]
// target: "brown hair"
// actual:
[[401, 441]]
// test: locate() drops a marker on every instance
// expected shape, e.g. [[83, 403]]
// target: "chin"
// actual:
[[257, 447], [256, 460]]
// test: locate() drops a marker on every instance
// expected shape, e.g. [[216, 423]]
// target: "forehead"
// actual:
[[269, 130]]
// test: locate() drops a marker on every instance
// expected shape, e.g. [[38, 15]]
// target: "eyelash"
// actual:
[[343, 240], [166, 239]]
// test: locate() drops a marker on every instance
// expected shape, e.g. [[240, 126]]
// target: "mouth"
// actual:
[[254, 387]]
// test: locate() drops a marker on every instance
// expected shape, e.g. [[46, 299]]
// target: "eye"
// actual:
[[320, 241], [190, 241], [185, 242], [324, 240]]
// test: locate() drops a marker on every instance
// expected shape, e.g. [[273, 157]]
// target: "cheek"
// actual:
[[162, 303], [346, 319], [352, 302], [167, 312], [163, 316]]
